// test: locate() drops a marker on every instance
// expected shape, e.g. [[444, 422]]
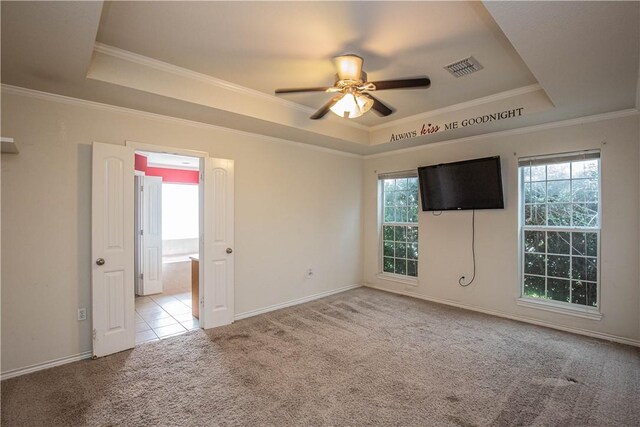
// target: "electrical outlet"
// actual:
[[82, 313], [309, 273]]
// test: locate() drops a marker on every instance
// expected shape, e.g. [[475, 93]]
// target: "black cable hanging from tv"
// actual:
[[473, 250]]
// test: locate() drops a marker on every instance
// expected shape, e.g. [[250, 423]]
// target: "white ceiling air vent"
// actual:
[[464, 66]]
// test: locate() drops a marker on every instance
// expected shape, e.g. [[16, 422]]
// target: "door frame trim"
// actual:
[[140, 146]]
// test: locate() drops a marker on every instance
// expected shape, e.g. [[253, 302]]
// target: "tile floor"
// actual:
[[161, 316]]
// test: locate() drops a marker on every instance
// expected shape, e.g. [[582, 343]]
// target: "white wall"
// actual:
[[296, 207], [445, 240]]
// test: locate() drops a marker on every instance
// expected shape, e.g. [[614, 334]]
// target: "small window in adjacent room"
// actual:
[[560, 228], [399, 233]]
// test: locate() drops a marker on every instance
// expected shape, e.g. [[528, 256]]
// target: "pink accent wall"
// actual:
[[141, 163], [170, 176], [174, 176]]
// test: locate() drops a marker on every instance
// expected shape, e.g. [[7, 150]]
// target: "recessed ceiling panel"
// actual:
[[269, 45]]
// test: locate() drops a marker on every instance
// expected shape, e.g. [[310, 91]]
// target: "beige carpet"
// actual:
[[363, 357]]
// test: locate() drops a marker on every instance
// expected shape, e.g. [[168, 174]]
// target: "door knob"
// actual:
[[229, 250], [100, 261]]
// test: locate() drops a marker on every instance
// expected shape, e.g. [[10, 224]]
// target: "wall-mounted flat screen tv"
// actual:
[[470, 184]]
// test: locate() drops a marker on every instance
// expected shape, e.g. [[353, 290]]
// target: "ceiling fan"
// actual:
[[353, 97]]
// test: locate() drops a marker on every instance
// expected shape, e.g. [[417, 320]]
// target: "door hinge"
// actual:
[[201, 300], [142, 232], [142, 188], [94, 334], [141, 276]]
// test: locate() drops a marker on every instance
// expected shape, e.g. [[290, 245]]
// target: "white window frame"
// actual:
[[579, 310], [393, 277]]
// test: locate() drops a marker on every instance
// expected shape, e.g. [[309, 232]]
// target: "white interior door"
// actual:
[[112, 249], [217, 258], [151, 279]]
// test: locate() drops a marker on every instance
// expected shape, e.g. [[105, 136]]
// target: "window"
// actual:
[[560, 225], [180, 211], [400, 224]]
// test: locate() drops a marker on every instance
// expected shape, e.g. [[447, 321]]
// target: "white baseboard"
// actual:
[[293, 302], [524, 319], [45, 365]]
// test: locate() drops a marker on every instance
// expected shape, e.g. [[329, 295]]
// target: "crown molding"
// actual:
[[461, 106], [194, 75], [32, 93], [517, 131]]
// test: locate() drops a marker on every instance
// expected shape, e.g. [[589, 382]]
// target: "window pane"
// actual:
[[585, 190], [389, 185], [401, 266], [388, 249], [400, 233], [412, 268], [592, 269], [534, 286], [578, 292], [387, 232], [412, 251], [401, 250], [584, 169], [534, 264], [412, 199], [389, 198], [591, 244], [558, 242], [558, 171], [558, 289], [559, 191], [579, 268], [389, 215], [413, 185], [538, 173], [534, 241], [578, 244], [535, 215], [413, 214], [401, 198], [558, 266], [538, 192], [388, 265], [592, 294], [585, 214], [526, 173], [526, 188], [559, 214], [401, 214], [412, 234], [401, 184]]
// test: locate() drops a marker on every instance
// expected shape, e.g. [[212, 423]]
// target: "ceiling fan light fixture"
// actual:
[[349, 67], [352, 105]]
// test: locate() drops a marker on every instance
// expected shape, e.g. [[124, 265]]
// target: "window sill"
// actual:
[[413, 281], [556, 307]]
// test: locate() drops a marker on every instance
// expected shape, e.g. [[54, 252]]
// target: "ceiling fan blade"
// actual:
[[304, 89], [422, 82], [326, 107], [379, 107]]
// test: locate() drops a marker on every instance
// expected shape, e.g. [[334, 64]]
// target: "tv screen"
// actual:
[[471, 184]]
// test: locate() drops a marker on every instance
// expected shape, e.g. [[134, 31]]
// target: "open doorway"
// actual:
[[167, 244], [113, 310]]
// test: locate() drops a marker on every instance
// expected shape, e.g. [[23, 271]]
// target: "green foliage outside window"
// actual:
[[400, 226], [560, 231]]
